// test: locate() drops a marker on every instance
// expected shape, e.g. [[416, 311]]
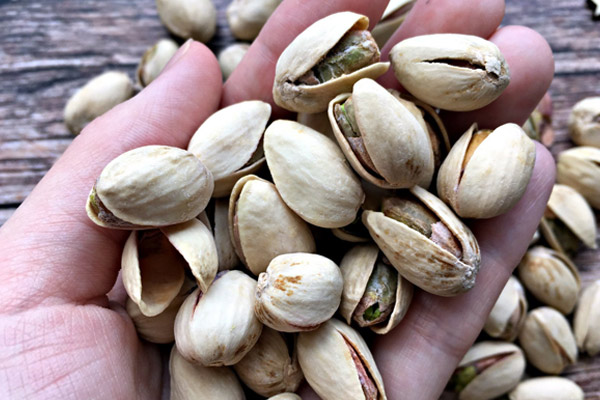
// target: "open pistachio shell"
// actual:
[[392, 138], [338, 364], [393, 16], [579, 168], [491, 179], [154, 61], [195, 19], [547, 388], [309, 49], [587, 320], [247, 17], [509, 312], [229, 142], [311, 175], [228, 259], [262, 226], [584, 122]]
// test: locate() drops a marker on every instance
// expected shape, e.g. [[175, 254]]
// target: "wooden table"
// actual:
[[50, 48]]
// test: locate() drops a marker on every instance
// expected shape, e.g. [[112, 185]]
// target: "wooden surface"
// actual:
[[49, 48]]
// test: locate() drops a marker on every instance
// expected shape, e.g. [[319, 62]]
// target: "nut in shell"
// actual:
[[154, 61], [579, 168], [587, 320], [547, 388], [508, 314], [196, 19], [247, 17], [584, 122], [230, 57]]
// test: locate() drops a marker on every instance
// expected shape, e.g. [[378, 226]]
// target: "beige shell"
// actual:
[[327, 363], [228, 259], [230, 57], [584, 125], [311, 175], [548, 341], [393, 16], [194, 382], [579, 168], [148, 187], [547, 388], [508, 314], [420, 260], [196, 19], [285, 396], [394, 139], [154, 61], [587, 320], [498, 378], [247, 17], [305, 51], [96, 97], [270, 367], [298, 292], [431, 68], [219, 327], [357, 267], [264, 226], [227, 141], [317, 121], [493, 179]]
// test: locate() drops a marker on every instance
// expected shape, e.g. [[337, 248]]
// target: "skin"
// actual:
[[61, 333]]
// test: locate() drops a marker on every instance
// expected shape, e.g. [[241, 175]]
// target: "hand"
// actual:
[[60, 334]]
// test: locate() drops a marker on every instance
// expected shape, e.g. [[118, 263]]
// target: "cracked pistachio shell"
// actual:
[[298, 292], [587, 320], [149, 187], [584, 122], [96, 97], [547, 388], [154, 61], [229, 143], [579, 168], [247, 17], [357, 266], [218, 327], [548, 341], [311, 175], [498, 369], [230, 57], [421, 261], [270, 368], [330, 367], [509, 312], [306, 51], [490, 180], [195, 382], [196, 19], [285, 396], [451, 71], [262, 226], [394, 139], [393, 16], [228, 259]]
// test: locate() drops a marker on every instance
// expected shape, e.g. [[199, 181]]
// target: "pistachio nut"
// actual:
[[285, 396], [317, 121], [95, 98], [579, 168], [539, 124], [247, 17], [195, 382], [486, 172], [218, 327], [393, 16], [196, 19], [568, 221], [547, 388], [587, 320], [311, 175], [338, 364], [374, 294], [584, 122], [509, 312], [488, 370], [426, 242], [451, 71], [231, 56], [229, 143], [154, 61], [228, 259], [325, 60], [271, 367], [548, 341], [382, 139], [262, 227]]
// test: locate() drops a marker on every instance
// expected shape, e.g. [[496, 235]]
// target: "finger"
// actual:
[[418, 357], [253, 77], [49, 249]]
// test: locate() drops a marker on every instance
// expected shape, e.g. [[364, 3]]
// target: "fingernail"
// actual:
[[180, 53]]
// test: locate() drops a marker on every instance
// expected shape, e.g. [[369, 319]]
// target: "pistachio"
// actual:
[[325, 60], [247, 17], [451, 71], [547, 388], [548, 340], [231, 56], [228, 259], [426, 242], [539, 124], [579, 168], [196, 19], [393, 16], [95, 98], [285, 396], [487, 172], [298, 292], [584, 122], [508, 314], [587, 320], [154, 61]]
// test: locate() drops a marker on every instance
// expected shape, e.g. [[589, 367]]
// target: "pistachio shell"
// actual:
[[579, 168], [491, 180], [311, 175], [195, 19], [547, 388], [584, 122], [247, 17], [393, 16], [451, 71], [509, 312], [227, 257], [317, 121], [587, 320], [285, 396], [154, 61], [231, 56], [305, 51]]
